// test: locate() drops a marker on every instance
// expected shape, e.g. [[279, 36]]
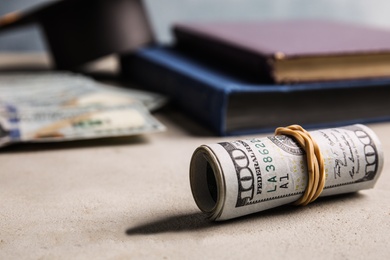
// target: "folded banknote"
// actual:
[[61, 106]]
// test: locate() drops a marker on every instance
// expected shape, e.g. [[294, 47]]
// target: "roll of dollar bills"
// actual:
[[232, 179]]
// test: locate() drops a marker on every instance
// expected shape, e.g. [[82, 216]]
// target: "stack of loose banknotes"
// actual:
[[63, 106]]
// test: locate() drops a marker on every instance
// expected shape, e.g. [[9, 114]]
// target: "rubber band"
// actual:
[[315, 162]]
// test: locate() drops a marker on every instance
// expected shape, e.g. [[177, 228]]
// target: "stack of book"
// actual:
[[248, 77]]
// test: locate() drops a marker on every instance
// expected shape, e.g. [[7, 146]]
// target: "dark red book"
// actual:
[[291, 51]]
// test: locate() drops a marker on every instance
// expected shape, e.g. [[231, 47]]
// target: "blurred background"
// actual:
[[164, 12]]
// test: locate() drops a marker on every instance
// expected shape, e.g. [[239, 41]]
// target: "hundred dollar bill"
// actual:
[[61, 106], [74, 123], [232, 179], [64, 89]]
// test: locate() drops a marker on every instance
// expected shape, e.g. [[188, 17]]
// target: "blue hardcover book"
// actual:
[[231, 105]]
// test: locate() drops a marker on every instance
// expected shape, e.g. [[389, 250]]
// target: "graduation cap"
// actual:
[[80, 31]]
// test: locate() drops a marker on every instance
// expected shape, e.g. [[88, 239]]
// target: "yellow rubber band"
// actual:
[[315, 162]]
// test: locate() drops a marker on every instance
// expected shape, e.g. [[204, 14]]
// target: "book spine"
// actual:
[[200, 99]]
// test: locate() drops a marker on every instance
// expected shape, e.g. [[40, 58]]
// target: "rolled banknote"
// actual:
[[232, 179]]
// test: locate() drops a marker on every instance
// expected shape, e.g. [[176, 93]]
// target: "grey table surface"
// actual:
[[130, 198]]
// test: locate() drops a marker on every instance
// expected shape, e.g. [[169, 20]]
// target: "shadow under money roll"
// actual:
[[232, 179]]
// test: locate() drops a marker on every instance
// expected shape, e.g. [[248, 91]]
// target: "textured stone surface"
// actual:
[[130, 198]]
